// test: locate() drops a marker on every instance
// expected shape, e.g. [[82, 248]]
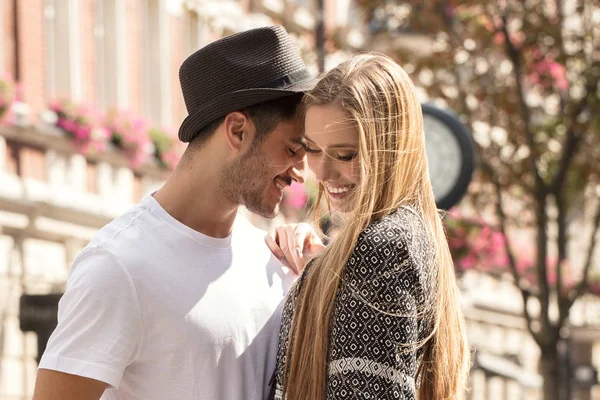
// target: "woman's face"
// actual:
[[332, 152]]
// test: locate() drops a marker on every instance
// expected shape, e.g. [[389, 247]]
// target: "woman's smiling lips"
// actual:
[[337, 192]]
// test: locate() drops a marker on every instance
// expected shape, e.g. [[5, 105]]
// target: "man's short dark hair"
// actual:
[[265, 116]]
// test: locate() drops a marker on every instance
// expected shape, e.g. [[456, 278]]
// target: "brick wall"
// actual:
[[31, 53], [8, 36]]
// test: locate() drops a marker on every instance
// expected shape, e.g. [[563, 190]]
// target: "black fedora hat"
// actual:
[[239, 71]]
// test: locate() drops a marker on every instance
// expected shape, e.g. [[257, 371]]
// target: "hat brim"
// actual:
[[234, 101]]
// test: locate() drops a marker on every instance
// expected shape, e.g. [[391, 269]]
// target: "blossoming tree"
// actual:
[[524, 75]]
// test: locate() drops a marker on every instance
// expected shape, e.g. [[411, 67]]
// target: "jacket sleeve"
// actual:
[[377, 319]]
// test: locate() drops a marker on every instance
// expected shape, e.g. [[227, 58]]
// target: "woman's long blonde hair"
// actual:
[[380, 100]]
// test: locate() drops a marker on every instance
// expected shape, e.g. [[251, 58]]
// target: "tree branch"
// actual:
[[448, 21], [525, 294], [561, 245], [515, 56], [580, 288], [541, 189], [560, 24], [569, 150], [573, 137], [541, 263]]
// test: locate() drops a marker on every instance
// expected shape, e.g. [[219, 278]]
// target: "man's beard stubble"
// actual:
[[245, 184]]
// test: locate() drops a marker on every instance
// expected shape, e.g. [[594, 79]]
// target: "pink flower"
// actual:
[[296, 196], [69, 126], [82, 133], [467, 262], [559, 74], [546, 71], [498, 38], [456, 243]]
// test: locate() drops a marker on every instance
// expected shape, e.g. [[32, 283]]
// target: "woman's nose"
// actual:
[[298, 171], [322, 168]]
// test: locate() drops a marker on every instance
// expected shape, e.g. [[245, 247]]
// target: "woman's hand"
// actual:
[[294, 244]]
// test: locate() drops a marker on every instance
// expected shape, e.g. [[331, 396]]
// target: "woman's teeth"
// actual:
[[342, 189]]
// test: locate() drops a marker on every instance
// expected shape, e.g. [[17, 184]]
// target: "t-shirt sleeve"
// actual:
[[99, 321]]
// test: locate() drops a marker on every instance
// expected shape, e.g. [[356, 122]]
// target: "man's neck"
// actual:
[[195, 200]]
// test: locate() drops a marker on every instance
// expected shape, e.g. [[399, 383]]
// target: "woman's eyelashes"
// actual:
[[341, 156], [346, 157], [312, 151]]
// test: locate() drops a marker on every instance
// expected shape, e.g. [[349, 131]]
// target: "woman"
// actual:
[[375, 315]]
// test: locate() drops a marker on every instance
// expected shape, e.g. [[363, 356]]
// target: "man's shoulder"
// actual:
[[131, 233], [122, 222]]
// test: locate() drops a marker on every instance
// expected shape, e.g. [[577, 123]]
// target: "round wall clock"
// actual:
[[450, 155]]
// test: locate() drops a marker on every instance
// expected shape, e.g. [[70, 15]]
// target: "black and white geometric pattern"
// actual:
[[381, 312]]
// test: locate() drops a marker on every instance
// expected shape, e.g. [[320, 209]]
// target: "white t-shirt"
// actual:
[[160, 311]]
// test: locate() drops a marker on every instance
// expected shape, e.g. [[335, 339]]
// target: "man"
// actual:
[[178, 298]]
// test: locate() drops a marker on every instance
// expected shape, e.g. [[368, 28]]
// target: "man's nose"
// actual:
[[298, 170]]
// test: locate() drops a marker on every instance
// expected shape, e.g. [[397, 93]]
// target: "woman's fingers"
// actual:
[[273, 246], [282, 239], [314, 245], [293, 243]]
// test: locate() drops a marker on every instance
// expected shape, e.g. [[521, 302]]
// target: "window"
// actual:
[[63, 48], [25, 161], [32, 162], [91, 177], [192, 33], [155, 63], [3, 36], [12, 158], [111, 54]]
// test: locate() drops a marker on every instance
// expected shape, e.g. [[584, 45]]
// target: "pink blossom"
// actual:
[[296, 196], [545, 71], [498, 38], [559, 73], [82, 132], [467, 262], [69, 126], [456, 243]]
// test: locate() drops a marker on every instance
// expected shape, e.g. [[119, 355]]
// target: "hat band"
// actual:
[[288, 80]]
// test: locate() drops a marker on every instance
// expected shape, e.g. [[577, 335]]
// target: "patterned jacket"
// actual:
[[380, 313]]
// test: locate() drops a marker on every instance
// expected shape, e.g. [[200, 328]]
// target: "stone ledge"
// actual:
[[50, 137]]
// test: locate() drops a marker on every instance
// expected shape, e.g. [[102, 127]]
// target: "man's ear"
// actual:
[[237, 129]]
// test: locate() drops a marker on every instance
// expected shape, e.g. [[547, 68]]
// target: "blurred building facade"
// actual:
[[104, 53], [126, 54]]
